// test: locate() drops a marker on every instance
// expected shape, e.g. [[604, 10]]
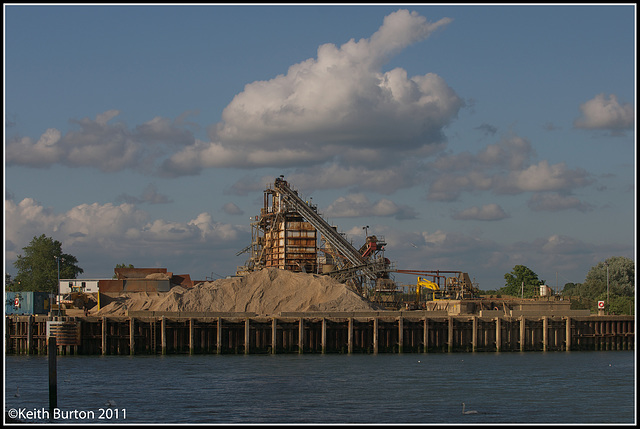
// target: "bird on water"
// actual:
[[468, 411]]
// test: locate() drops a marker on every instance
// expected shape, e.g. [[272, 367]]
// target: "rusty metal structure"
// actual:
[[290, 234]]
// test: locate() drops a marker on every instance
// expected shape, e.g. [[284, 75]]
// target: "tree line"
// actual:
[[617, 289]]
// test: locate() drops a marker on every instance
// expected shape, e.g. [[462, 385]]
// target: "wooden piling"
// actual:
[[163, 335], [301, 335], [350, 336], [498, 334], [375, 335], [53, 374], [323, 341], [474, 334], [132, 341]]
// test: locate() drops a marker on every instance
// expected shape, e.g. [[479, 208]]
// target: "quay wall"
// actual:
[[146, 332]]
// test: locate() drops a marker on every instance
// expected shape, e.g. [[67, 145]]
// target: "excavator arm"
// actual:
[[422, 282]]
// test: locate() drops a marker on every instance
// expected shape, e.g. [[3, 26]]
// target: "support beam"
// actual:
[[375, 335], [132, 336], [425, 340], [104, 335], [274, 337], [450, 335], [400, 334], [545, 333], [163, 335], [350, 336], [568, 335], [192, 336], [29, 334], [301, 335], [474, 334], [523, 330], [324, 335], [247, 338], [219, 335], [498, 334]]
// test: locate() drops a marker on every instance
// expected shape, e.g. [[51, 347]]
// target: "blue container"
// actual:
[[27, 302]]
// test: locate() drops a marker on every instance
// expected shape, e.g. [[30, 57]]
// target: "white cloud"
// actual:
[[232, 209], [100, 144], [121, 231], [486, 212], [607, 114], [338, 105], [556, 202], [356, 205], [543, 177], [502, 168]]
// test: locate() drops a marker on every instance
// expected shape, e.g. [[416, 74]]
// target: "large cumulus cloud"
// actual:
[[339, 107]]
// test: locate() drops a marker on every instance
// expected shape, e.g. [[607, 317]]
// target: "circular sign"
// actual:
[[600, 304], [16, 302]]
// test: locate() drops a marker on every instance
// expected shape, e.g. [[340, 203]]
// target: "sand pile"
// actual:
[[264, 292]]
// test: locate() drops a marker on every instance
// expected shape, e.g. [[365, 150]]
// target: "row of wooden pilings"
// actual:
[[383, 332]]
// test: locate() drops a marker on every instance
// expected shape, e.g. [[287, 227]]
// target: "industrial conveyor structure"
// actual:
[[285, 236]]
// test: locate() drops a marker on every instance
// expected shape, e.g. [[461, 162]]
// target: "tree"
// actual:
[[38, 268], [621, 284], [515, 279]]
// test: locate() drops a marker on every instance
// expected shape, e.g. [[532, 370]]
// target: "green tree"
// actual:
[[38, 268], [621, 284], [514, 280]]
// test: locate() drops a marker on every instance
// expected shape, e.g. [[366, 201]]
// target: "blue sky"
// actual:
[[472, 138]]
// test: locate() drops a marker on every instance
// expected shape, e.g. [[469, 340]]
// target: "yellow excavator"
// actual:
[[422, 282], [78, 298]]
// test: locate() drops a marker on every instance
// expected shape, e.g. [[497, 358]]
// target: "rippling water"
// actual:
[[530, 387]]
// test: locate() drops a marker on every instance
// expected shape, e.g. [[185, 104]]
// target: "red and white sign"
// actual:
[[600, 304]]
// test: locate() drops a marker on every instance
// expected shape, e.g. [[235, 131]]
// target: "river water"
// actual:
[[529, 387]]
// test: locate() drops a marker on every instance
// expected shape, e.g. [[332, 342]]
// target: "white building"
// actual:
[[86, 285]]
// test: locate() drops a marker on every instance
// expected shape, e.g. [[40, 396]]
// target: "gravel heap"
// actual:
[[264, 292]]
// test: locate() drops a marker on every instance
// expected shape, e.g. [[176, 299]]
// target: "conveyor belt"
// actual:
[[331, 235]]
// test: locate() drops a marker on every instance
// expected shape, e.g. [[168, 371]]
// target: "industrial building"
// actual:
[[290, 234]]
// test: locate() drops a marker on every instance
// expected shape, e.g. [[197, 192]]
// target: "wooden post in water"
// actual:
[[104, 335], [53, 375], [219, 335], [568, 335], [29, 334], [301, 335], [474, 334], [350, 336], [400, 334], [192, 336], [247, 338], [425, 340], [323, 338], [450, 334], [498, 334], [163, 335], [274, 337], [545, 333], [132, 341], [523, 339], [375, 335]]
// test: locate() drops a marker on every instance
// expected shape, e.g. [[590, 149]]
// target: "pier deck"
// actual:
[[146, 332]]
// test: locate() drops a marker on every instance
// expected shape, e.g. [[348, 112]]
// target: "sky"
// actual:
[[470, 138]]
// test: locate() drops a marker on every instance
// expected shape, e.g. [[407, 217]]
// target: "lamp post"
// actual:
[[58, 285], [366, 228]]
